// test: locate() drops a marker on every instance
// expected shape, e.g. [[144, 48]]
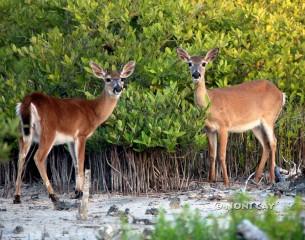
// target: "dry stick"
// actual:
[[245, 187], [120, 174], [83, 208]]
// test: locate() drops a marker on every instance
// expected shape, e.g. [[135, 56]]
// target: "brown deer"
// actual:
[[252, 106], [49, 121]]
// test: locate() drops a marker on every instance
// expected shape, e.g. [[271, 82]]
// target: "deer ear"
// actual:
[[97, 70], [128, 69], [211, 55], [183, 55]]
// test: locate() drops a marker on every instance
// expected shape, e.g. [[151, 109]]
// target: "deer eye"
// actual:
[[190, 64], [108, 80], [203, 64]]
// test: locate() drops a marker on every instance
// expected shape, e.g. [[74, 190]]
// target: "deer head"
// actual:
[[197, 64], [114, 80]]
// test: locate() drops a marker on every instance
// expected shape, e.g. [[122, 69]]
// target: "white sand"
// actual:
[[40, 221]]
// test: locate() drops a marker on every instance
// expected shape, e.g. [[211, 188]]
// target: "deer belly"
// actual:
[[61, 138], [245, 126]]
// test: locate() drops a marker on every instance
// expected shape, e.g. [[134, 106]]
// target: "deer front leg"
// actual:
[[80, 145], [212, 139], [223, 140]]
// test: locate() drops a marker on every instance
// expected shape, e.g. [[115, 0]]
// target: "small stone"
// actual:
[[281, 186], [18, 229], [278, 194], [215, 197], [113, 211], [152, 211], [174, 203], [38, 207], [35, 196], [147, 232], [300, 188], [105, 233], [143, 221], [248, 231]]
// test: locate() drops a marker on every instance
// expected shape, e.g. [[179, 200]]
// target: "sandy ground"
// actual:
[[36, 218]]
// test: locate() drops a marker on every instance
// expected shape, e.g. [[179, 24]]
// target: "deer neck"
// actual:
[[201, 94], [104, 106]]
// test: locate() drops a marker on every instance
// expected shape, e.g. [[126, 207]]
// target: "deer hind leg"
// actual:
[[24, 147], [73, 149], [212, 139], [223, 140], [272, 143], [261, 137], [45, 146], [79, 161]]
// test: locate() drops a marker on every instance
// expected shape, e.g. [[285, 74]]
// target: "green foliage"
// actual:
[[47, 45], [154, 121], [190, 225], [8, 134]]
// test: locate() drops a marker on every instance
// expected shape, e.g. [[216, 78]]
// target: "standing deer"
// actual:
[[49, 121], [252, 106]]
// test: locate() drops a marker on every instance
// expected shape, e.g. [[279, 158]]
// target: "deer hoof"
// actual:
[[17, 199], [54, 198], [77, 195]]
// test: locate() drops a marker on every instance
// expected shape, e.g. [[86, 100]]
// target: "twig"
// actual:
[[245, 187]]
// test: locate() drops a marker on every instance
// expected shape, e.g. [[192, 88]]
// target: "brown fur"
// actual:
[[72, 121], [252, 106]]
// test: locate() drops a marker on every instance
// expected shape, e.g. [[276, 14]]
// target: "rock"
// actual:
[[62, 205], [278, 175], [215, 197], [300, 188], [18, 229], [35, 196], [38, 207], [113, 211], [174, 203], [147, 232], [107, 232], [152, 203], [152, 211], [3, 209], [248, 231], [281, 186], [143, 221]]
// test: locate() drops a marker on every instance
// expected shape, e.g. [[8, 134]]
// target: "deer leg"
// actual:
[[72, 149], [272, 142], [40, 157], [223, 140], [24, 147], [212, 139], [80, 153], [259, 134]]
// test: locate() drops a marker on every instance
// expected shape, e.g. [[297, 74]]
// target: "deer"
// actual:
[[50, 121], [254, 105]]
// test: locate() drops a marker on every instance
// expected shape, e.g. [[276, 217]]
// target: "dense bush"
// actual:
[[47, 45]]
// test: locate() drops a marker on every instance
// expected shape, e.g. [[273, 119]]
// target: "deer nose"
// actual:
[[117, 89], [196, 75]]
